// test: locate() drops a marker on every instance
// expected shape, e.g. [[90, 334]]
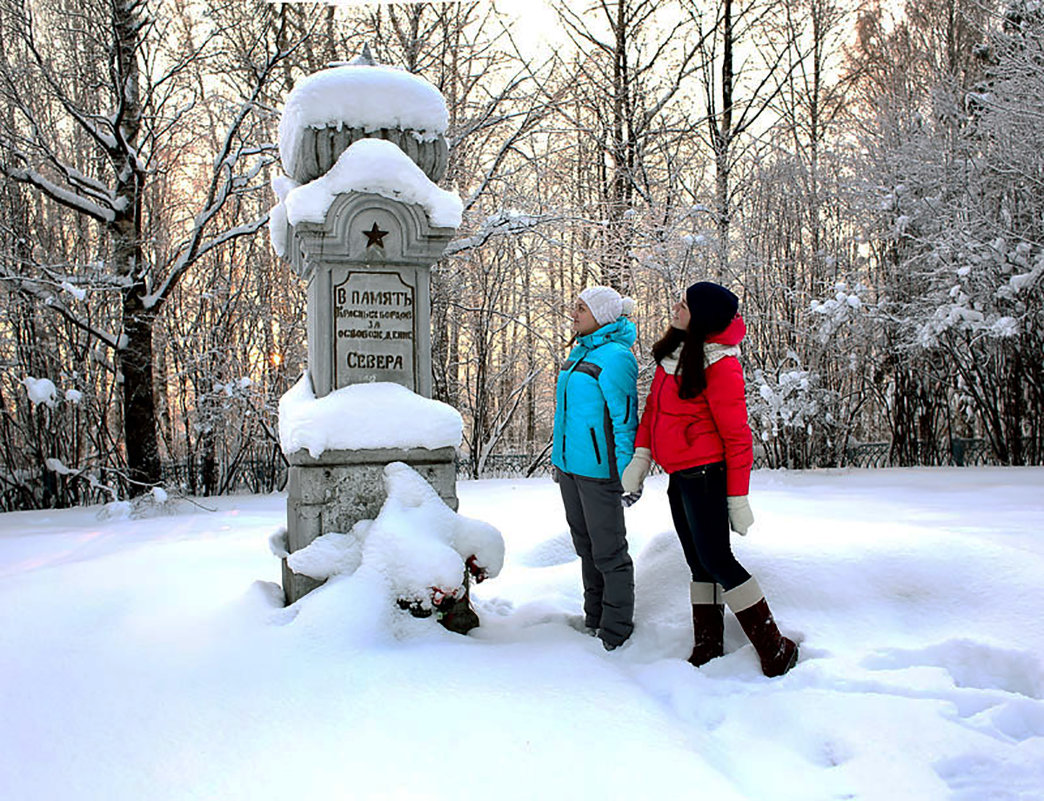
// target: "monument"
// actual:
[[361, 219]]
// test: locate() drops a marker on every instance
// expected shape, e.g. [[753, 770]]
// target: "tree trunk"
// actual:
[[722, 138], [135, 357], [139, 405]]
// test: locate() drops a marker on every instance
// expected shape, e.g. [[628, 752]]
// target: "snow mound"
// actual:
[[157, 502], [364, 416], [417, 548], [329, 555]]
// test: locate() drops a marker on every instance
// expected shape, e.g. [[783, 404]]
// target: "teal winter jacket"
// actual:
[[596, 404]]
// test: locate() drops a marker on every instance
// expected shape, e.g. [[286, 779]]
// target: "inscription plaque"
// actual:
[[373, 320]]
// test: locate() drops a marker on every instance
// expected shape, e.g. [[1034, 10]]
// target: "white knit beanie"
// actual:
[[605, 303]]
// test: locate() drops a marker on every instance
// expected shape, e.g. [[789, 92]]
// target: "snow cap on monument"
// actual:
[[359, 96]]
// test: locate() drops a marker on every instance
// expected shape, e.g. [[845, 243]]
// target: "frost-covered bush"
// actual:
[[154, 503], [981, 290], [788, 410], [958, 247], [834, 313]]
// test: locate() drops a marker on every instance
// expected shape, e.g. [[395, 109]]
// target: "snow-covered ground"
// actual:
[[150, 659]]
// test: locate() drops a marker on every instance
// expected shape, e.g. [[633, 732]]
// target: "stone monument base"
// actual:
[[336, 490]]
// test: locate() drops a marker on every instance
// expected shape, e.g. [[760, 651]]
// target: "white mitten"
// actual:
[[740, 516], [637, 469]]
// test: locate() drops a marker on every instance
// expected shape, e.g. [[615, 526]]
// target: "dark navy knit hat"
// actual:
[[711, 307]]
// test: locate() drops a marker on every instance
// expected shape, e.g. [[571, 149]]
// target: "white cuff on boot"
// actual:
[[744, 596], [703, 592]]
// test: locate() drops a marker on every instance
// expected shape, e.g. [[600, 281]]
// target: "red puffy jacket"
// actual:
[[711, 427]]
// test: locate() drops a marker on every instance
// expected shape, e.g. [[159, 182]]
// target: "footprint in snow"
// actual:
[[972, 665], [558, 550]]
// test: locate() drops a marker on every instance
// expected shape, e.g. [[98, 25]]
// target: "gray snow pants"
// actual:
[[596, 522]]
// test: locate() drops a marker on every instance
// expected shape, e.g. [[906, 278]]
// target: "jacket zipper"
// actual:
[[565, 413], [594, 441], [659, 412], [565, 406]]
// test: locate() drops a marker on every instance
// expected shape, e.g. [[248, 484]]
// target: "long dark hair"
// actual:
[[690, 376]]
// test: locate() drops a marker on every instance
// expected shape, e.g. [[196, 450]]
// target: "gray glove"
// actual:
[[637, 469], [740, 516]]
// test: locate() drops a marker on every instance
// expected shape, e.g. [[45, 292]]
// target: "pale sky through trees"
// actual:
[[533, 23]]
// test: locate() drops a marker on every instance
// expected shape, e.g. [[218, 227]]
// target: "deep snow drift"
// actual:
[[152, 659]]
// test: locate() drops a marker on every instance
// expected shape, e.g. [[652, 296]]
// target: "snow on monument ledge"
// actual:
[[373, 165], [364, 417]]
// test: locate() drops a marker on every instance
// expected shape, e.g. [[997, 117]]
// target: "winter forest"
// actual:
[[868, 178]]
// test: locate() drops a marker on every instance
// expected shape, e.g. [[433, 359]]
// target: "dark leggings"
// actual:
[[701, 518]]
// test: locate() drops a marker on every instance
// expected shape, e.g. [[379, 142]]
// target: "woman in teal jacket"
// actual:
[[596, 416]]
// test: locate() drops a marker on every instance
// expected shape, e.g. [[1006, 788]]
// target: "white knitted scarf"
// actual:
[[712, 352]]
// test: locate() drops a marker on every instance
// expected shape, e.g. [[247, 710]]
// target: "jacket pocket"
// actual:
[[691, 433], [594, 442]]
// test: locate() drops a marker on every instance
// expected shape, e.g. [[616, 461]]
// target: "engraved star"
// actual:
[[375, 236]]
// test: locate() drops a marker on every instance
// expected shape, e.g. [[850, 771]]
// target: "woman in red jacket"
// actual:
[[695, 427]]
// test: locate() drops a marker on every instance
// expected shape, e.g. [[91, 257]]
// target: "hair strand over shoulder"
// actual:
[[690, 375]]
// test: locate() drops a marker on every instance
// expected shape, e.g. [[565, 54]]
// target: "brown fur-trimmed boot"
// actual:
[[708, 622], [778, 654]]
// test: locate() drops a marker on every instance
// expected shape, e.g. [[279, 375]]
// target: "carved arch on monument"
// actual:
[[367, 228]]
